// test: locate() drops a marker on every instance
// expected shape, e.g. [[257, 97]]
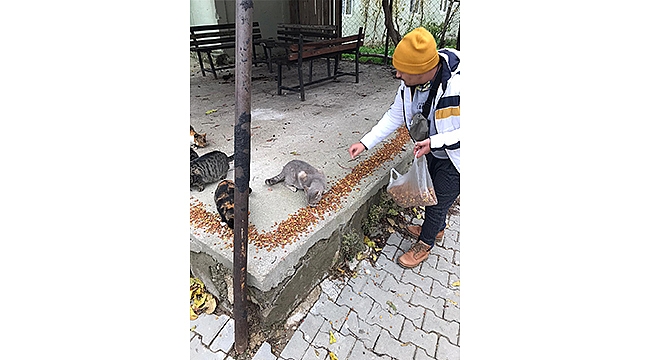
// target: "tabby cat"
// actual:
[[298, 174], [209, 168], [224, 198], [197, 139], [193, 154]]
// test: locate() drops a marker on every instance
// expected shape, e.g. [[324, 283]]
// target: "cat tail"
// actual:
[[231, 158], [274, 180]]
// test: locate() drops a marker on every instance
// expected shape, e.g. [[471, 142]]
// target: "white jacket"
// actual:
[[446, 109]]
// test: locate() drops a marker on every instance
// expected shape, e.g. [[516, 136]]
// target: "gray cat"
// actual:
[[298, 174], [209, 168]]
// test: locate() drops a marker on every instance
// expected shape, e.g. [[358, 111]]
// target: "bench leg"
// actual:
[[201, 63], [279, 78], [311, 68], [214, 72], [336, 66], [356, 66], [329, 72], [302, 86]]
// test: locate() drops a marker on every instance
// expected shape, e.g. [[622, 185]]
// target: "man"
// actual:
[[424, 70]]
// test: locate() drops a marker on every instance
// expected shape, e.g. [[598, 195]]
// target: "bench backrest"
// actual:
[[290, 33], [221, 36], [347, 44]]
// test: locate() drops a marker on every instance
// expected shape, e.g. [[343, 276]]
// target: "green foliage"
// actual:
[[351, 245], [378, 212]]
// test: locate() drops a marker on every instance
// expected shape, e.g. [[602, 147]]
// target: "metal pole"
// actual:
[[243, 53]]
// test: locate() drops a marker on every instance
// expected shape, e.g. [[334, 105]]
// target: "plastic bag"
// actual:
[[414, 188]]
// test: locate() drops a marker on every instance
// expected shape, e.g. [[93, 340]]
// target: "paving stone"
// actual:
[[360, 352], [395, 239], [386, 344], [406, 244], [192, 335], [452, 312], [456, 259], [411, 333], [420, 354], [390, 266], [447, 351], [264, 353], [428, 270], [418, 280], [363, 331], [440, 326], [386, 320], [447, 266], [358, 303], [341, 347], [225, 339], [428, 302], [397, 289], [451, 241], [315, 353], [199, 352], [441, 252], [331, 287], [440, 291], [295, 348], [389, 251], [208, 326], [310, 326], [452, 279], [330, 311]]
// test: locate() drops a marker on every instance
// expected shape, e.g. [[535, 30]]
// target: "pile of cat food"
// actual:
[[287, 231]]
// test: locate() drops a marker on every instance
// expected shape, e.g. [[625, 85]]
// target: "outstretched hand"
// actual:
[[356, 149], [422, 147]]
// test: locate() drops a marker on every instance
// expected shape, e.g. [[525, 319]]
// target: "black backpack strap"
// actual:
[[435, 83]]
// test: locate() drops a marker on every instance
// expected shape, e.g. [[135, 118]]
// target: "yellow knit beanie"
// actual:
[[416, 53]]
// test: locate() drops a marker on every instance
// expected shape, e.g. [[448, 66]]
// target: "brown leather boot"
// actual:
[[417, 254], [415, 231]]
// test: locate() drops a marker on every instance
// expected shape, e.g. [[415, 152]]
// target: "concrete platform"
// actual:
[[318, 130]]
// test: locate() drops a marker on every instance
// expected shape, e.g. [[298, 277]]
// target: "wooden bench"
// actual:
[[207, 38], [313, 44]]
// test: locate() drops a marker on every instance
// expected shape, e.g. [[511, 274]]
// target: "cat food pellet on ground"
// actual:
[[288, 231]]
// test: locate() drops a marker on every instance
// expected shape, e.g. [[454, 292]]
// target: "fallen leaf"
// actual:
[[390, 229], [317, 353], [452, 301], [392, 306], [332, 356], [193, 328], [210, 111], [391, 221], [332, 338], [294, 153], [456, 283]]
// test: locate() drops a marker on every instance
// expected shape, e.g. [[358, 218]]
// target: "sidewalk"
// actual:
[[386, 312]]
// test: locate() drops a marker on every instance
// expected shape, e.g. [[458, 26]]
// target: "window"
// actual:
[[347, 7]]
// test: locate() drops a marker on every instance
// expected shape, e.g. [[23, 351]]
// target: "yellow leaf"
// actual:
[[391, 221], [193, 315], [452, 301], [456, 283], [193, 327], [391, 230], [367, 241], [211, 304], [332, 356], [210, 111], [332, 338]]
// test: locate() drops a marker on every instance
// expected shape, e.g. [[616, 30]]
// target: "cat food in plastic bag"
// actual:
[[414, 188]]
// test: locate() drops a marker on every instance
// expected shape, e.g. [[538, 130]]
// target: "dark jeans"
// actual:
[[446, 182]]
